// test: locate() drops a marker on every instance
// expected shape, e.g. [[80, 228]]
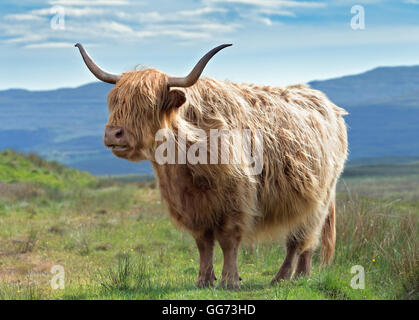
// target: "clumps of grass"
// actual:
[[101, 200], [127, 274], [28, 244], [373, 234], [110, 180], [83, 245], [79, 242], [147, 184], [140, 248], [332, 286], [20, 191], [26, 290], [103, 247], [56, 229], [404, 260]]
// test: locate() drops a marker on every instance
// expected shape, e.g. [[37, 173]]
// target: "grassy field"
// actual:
[[115, 241]]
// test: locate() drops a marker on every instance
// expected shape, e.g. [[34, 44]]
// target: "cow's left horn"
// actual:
[[193, 77], [95, 69]]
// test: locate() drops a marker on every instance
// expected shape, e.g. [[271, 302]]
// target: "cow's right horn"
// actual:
[[194, 75], [95, 69]]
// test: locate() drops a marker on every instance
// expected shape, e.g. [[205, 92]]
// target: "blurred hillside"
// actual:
[[18, 168]]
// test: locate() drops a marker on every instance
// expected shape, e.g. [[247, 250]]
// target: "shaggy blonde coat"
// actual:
[[304, 151]]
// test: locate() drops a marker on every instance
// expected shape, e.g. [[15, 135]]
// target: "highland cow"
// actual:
[[292, 198]]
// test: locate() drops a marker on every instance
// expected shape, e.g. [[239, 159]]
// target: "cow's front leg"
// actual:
[[229, 242], [205, 243]]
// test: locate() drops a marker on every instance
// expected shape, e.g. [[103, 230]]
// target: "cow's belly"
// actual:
[[197, 204]]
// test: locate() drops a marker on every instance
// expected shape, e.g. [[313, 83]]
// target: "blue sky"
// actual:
[[274, 42]]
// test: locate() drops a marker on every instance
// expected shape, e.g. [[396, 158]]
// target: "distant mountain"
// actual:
[[67, 124], [68, 113], [380, 86], [383, 106], [64, 125]]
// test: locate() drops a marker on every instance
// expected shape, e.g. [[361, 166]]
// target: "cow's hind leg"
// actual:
[[304, 263], [300, 248], [229, 243], [288, 266], [322, 227], [205, 243]]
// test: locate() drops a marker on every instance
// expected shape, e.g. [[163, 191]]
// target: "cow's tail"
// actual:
[[329, 235]]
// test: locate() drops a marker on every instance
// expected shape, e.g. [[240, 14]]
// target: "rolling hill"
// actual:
[[30, 168], [67, 124], [380, 86]]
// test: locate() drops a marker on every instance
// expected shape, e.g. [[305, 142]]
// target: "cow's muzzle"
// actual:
[[116, 139]]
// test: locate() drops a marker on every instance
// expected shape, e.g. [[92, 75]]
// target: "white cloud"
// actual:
[[266, 21], [200, 11], [23, 17], [302, 4], [262, 10], [177, 16], [277, 12], [115, 20], [70, 11], [49, 45], [112, 26], [90, 2], [274, 3], [41, 14], [27, 38], [185, 35], [352, 2]]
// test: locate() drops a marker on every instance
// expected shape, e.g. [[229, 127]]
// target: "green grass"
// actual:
[[382, 170], [15, 167], [116, 241], [127, 177]]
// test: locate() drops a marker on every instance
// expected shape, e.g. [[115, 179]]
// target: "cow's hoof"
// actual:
[[205, 282], [230, 285], [277, 280]]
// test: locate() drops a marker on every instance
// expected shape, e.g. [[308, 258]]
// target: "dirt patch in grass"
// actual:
[[21, 265]]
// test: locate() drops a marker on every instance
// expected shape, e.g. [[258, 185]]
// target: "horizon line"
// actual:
[[313, 80]]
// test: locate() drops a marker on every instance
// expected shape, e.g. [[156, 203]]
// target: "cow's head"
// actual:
[[139, 102]]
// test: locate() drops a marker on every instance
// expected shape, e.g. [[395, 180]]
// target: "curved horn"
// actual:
[[193, 76], [95, 69]]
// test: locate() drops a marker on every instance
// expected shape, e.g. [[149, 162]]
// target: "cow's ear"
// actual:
[[174, 100]]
